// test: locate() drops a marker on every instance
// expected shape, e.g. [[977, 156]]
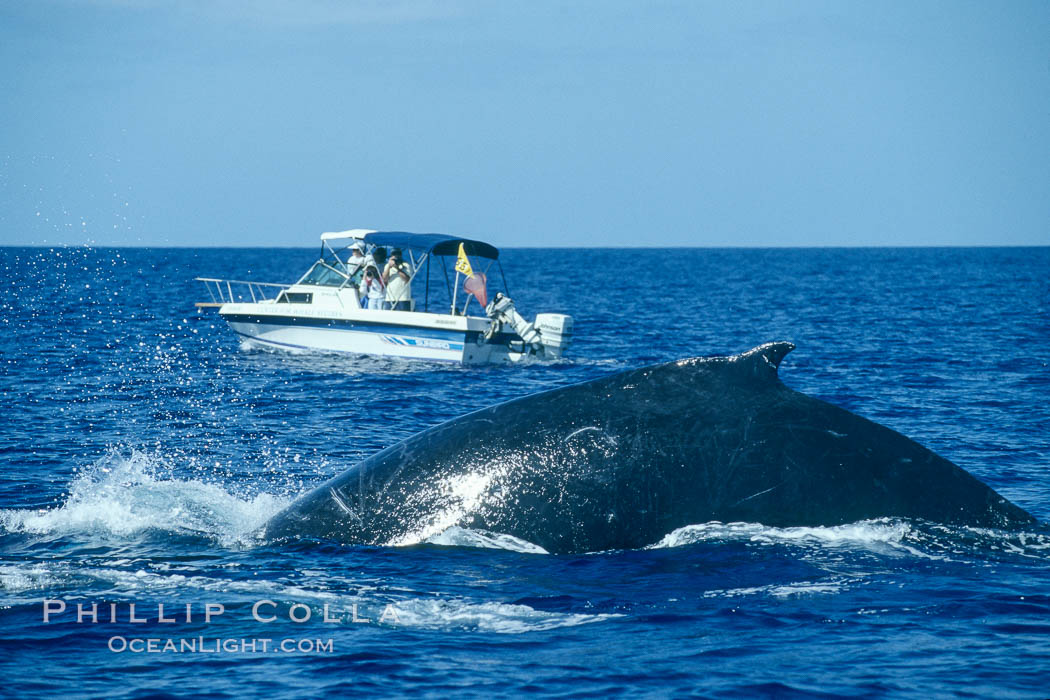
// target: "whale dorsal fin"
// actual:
[[764, 360]]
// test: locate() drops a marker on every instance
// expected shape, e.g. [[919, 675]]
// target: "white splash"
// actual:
[[19, 578], [121, 496]]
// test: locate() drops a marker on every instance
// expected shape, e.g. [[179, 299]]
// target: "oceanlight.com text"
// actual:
[[216, 645]]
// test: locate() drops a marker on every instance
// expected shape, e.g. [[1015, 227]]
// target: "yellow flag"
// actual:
[[462, 263]]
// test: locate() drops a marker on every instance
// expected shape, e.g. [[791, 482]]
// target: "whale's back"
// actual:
[[620, 461]]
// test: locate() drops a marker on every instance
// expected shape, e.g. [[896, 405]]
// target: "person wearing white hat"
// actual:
[[357, 259]]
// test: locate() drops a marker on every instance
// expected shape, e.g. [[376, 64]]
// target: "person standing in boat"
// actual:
[[358, 259], [397, 275], [372, 289]]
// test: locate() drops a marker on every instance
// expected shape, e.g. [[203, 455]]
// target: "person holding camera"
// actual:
[[397, 275], [372, 289]]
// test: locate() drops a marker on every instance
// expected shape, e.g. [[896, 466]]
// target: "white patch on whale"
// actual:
[[464, 537]]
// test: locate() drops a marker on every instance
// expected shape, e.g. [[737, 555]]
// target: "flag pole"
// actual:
[[455, 290]]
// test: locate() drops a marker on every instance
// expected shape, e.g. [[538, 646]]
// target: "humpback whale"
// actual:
[[620, 461]]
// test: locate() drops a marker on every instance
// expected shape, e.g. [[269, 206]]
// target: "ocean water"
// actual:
[[142, 447]]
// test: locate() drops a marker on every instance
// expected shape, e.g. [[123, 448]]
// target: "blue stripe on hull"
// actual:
[[257, 339]]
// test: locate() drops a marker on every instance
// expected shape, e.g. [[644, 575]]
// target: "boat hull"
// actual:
[[423, 336]]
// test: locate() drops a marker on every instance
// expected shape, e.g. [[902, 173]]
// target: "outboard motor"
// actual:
[[501, 310], [549, 336], [555, 333]]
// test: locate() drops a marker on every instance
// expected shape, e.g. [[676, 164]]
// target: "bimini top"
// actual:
[[436, 243], [342, 235]]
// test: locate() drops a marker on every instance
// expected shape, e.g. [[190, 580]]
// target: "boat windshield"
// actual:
[[323, 276]]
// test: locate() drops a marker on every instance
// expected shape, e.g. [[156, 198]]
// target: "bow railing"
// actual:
[[238, 291]]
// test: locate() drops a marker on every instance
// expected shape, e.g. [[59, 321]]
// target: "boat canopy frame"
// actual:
[[438, 245], [420, 248]]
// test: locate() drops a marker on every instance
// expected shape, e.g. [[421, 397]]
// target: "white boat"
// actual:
[[324, 309]]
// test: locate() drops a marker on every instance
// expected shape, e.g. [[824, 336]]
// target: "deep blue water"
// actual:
[[141, 448]]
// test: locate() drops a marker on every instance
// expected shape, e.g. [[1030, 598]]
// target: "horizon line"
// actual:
[[555, 247]]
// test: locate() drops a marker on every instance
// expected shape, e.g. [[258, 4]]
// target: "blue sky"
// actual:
[[228, 122]]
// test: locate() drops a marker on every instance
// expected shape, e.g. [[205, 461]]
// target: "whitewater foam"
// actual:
[[501, 618], [785, 590], [414, 610], [870, 533], [121, 496], [16, 579]]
